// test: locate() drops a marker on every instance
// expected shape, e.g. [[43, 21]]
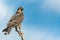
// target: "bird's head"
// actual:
[[20, 8]]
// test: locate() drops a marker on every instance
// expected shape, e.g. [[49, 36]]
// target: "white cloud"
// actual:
[[38, 35], [52, 4], [28, 35], [50, 37], [58, 38], [3, 9]]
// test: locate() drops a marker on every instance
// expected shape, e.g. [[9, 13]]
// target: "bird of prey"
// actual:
[[15, 22]]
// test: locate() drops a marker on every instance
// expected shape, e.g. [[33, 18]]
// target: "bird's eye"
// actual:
[[18, 8]]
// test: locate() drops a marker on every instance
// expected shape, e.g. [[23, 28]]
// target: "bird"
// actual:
[[15, 22]]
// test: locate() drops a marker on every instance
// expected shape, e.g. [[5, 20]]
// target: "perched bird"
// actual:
[[15, 21]]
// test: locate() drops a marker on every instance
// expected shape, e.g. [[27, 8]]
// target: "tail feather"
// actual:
[[7, 30]]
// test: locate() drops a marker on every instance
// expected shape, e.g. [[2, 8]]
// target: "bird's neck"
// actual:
[[19, 12]]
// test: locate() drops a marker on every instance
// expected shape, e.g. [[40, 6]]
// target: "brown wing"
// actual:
[[17, 18], [13, 18]]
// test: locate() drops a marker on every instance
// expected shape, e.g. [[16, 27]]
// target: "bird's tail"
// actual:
[[7, 30]]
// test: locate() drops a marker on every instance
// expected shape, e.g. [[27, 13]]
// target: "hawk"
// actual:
[[15, 22]]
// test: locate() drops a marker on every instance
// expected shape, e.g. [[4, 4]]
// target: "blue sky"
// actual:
[[41, 19]]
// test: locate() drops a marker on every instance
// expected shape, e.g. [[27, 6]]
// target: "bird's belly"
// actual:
[[19, 20]]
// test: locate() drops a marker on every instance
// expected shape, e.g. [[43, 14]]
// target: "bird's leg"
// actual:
[[19, 32], [19, 26]]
